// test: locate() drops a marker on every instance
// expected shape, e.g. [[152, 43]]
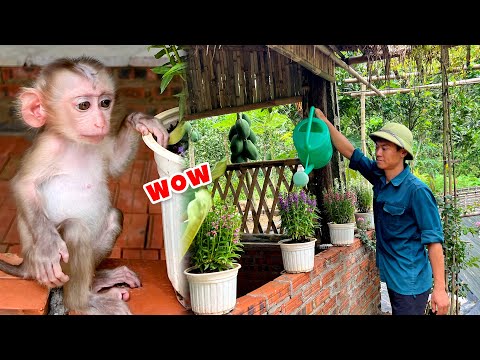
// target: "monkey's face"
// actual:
[[87, 105]]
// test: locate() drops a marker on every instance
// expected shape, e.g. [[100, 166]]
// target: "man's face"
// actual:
[[387, 154]]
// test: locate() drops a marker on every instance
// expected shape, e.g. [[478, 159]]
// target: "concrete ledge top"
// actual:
[[110, 55]]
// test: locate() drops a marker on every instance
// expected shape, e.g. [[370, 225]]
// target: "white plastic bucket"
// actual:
[[168, 164]]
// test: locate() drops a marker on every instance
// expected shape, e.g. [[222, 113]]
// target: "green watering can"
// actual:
[[311, 138]]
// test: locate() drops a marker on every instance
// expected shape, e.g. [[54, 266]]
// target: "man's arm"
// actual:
[[341, 143], [440, 300], [425, 211]]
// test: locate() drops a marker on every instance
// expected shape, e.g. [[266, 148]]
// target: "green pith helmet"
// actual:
[[398, 134]]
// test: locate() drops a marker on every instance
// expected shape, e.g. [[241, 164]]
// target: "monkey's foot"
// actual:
[[107, 278], [106, 304], [118, 292]]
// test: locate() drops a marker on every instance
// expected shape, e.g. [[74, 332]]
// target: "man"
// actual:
[[406, 219]]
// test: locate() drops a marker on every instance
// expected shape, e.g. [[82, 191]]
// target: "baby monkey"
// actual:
[[65, 218]]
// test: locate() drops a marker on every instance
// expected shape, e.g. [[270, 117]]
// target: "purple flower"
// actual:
[[299, 214]]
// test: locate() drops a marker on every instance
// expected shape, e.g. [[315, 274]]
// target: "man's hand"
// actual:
[[440, 301], [319, 114]]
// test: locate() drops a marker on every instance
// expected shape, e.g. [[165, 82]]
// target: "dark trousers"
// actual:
[[408, 304]]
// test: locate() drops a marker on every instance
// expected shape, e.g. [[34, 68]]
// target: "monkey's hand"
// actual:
[[48, 255], [145, 124]]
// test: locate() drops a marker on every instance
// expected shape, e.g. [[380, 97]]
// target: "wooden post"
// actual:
[[362, 119], [448, 166], [316, 95]]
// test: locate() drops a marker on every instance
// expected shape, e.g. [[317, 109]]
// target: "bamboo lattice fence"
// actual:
[[260, 183]]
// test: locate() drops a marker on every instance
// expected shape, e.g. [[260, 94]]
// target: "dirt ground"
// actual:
[[263, 217]]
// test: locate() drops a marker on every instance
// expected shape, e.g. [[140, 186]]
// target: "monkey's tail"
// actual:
[[15, 270]]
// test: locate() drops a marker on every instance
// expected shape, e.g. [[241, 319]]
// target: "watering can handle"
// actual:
[[309, 127]]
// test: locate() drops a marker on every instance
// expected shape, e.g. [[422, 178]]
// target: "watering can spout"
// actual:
[[309, 169], [311, 139]]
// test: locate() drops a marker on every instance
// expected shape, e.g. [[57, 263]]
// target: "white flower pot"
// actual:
[[342, 234], [298, 257], [213, 293], [367, 220]]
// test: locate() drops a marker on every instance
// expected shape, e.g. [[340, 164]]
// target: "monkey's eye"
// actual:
[[105, 103], [84, 105]]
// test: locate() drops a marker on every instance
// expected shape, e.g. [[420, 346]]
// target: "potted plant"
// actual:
[[363, 205], [214, 255], [299, 218], [339, 204]]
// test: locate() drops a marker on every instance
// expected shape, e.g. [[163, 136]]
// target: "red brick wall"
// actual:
[[344, 281], [138, 86]]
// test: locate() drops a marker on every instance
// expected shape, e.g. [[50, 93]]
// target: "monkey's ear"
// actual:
[[31, 108]]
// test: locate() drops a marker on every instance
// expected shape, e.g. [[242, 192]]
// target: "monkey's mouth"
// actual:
[[95, 139]]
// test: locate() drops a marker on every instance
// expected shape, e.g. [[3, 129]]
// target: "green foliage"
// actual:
[[456, 250], [217, 245], [421, 110], [212, 145], [339, 204], [299, 214], [176, 66], [364, 194], [368, 242], [436, 183], [273, 129]]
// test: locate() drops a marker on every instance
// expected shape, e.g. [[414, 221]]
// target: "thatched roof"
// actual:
[[223, 77]]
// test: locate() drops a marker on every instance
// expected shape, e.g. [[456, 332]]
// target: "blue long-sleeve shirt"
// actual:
[[406, 219]]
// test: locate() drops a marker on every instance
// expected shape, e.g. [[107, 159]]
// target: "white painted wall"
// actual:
[[110, 55]]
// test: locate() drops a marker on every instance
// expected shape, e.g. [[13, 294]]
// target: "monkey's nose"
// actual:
[[100, 123]]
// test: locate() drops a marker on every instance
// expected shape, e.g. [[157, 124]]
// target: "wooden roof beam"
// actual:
[[337, 51], [349, 69]]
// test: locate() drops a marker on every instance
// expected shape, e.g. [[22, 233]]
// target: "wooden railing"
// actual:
[[469, 199], [255, 187]]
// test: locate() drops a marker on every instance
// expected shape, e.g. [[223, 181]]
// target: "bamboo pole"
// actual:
[[403, 90], [191, 152], [393, 76], [349, 69], [447, 167], [360, 59], [362, 120]]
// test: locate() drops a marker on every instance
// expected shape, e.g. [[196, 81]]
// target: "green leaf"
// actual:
[[165, 82], [159, 54], [176, 69], [197, 210], [154, 47], [161, 69], [219, 169]]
